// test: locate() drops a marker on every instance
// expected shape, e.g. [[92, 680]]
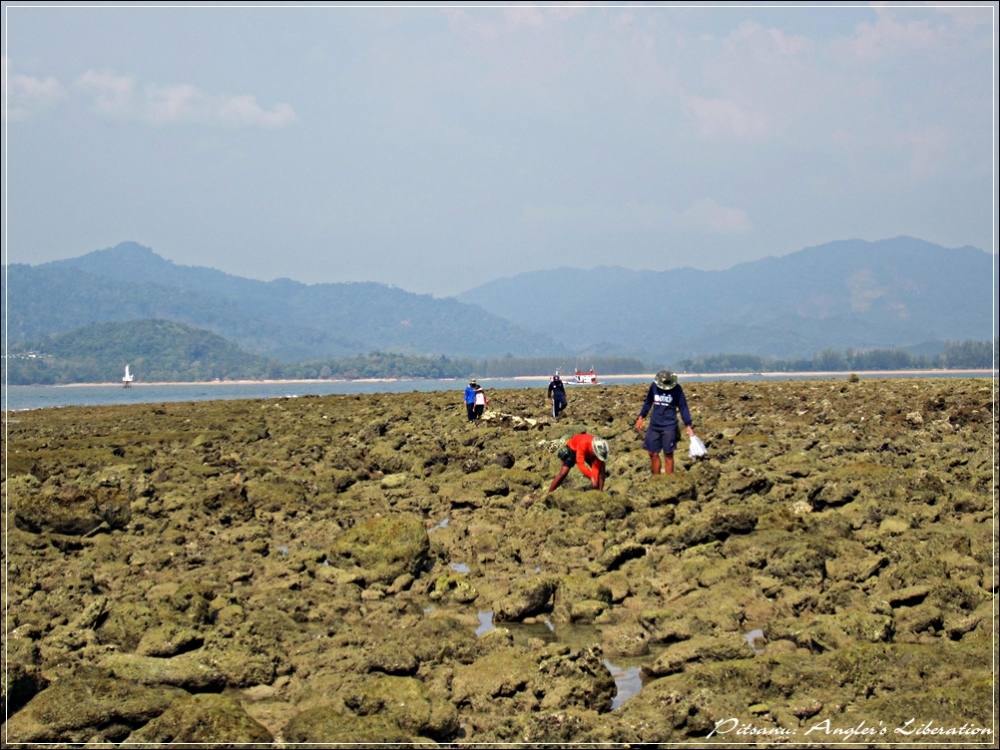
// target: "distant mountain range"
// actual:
[[900, 292], [283, 319]]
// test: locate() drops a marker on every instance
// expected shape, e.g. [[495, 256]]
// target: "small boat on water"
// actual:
[[127, 378], [584, 377]]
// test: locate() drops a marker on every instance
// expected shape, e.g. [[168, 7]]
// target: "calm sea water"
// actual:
[[20, 397]]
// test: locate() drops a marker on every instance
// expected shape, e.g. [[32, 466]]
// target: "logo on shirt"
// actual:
[[663, 399]]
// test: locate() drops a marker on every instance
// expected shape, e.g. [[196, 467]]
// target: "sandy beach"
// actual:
[[543, 378], [137, 384]]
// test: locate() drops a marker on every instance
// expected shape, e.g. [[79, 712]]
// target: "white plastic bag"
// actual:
[[696, 448]]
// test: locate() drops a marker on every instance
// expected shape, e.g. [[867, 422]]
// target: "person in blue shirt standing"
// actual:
[[665, 397], [470, 399]]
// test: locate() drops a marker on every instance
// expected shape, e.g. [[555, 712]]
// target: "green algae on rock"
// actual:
[[292, 554]]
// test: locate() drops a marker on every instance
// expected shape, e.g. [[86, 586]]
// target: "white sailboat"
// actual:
[[128, 378]]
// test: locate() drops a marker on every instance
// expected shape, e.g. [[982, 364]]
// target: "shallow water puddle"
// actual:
[[755, 639], [442, 524], [459, 567], [485, 622], [628, 681]]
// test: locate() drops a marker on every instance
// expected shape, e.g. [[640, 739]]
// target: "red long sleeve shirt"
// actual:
[[583, 446]]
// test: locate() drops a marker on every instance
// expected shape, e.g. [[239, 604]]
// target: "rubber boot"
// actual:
[[668, 464], [654, 462]]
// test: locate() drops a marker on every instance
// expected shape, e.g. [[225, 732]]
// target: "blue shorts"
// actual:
[[661, 440]]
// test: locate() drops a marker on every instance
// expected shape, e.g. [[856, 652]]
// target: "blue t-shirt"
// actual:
[[665, 404], [470, 394]]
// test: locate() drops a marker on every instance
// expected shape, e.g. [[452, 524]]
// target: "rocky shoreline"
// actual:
[[373, 568]]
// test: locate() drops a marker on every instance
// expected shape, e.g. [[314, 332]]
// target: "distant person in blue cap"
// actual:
[[665, 397], [470, 399], [557, 394]]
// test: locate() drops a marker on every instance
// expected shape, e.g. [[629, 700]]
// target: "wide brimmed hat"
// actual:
[[600, 447], [665, 379]]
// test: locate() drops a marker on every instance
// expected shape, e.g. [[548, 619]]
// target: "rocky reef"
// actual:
[[377, 569]]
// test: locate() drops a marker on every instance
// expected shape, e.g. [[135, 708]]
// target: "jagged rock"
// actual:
[[383, 548], [909, 596], [70, 509], [24, 678], [330, 726], [613, 557], [627, 639], [697, 649], [409, 703], [714, 526], [528, 597], [204, 718], [168, 640], [189, 671], [75, 708]]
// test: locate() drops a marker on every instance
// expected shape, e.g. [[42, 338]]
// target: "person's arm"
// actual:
[[597, 481], [646, 405], [685, 413], [581, 463], [563, 471]]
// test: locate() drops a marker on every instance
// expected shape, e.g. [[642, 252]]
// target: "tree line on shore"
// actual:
[[207, 362], [956, 355]]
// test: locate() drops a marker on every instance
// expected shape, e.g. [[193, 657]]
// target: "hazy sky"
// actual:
[[436, 148]]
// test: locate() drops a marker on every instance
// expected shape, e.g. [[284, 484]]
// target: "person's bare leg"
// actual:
[[668, 463], [654, 462]]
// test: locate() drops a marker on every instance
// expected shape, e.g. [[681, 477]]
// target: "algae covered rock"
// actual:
[[408, 702], [713, 526], [330, 725], [698, 649], [71, 509], [615, 555], [512, 679], [24, 678], [74, 709], [204, 718], [376, 708], [577, 502], [859, 546], [189, 671], [126, 624], [383, 548], [504, 673], [168, 639], [528, 597]]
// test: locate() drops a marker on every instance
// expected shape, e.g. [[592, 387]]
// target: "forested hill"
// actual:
[[158, 349], [283, 319]]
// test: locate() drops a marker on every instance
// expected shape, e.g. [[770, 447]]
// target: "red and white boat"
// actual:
[[584, 377]]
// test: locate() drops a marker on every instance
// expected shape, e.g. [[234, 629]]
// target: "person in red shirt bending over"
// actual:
[[589, 453]]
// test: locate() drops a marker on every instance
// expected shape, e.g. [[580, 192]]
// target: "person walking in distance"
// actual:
[[557, 394], [470, 399], [480, 403], [665, 397]]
